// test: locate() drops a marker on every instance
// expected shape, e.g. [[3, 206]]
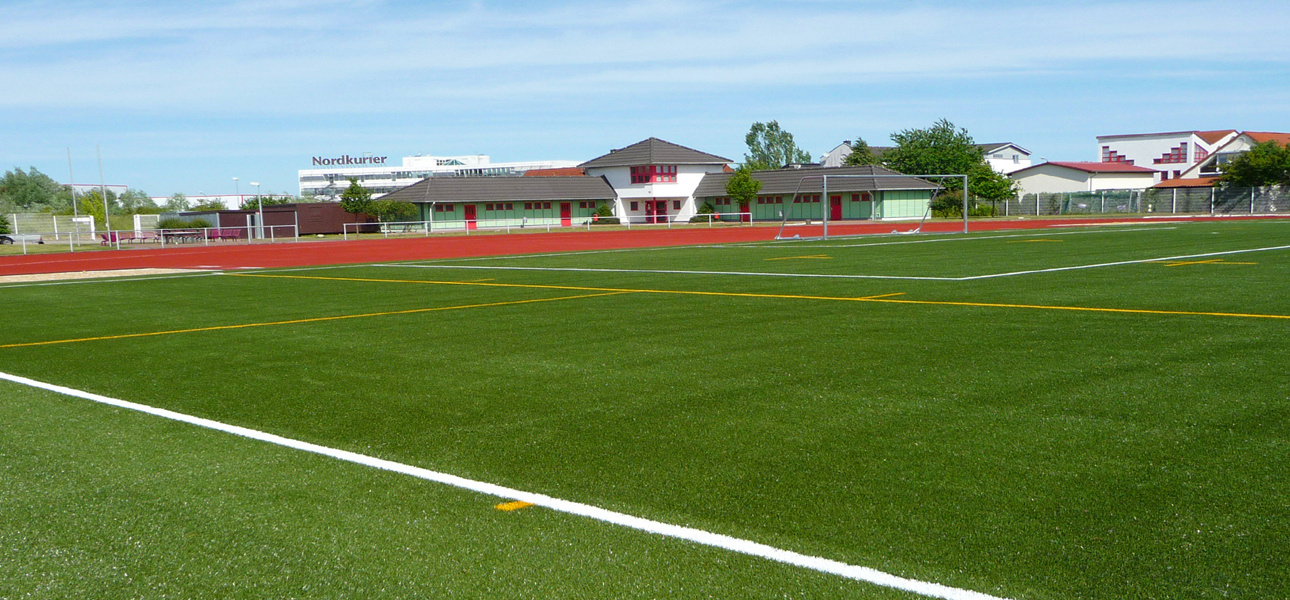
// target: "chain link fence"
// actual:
[[1170, 201]]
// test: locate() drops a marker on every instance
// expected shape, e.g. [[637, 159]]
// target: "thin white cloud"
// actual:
[[268, 56]]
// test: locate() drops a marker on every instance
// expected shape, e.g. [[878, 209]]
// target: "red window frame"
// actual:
[[654, 174]]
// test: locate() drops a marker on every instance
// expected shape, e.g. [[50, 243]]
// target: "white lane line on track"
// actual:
[[698, 536], [662, 271]]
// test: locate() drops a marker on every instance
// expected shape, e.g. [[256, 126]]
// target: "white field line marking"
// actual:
[[108, 280], [951, 237], [697, 536], [662, 271], [828, 276], [1123, 262], [960, 238]]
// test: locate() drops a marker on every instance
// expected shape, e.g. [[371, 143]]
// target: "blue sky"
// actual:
[[182, 96]]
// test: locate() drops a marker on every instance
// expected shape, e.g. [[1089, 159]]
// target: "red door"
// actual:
[[566, 214], [470, 217], [835, 208]]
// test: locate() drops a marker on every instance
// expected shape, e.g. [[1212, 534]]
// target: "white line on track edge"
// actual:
[[824, 565]]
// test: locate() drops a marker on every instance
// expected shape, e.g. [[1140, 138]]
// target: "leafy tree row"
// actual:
[[941, 149], [1267, 163], [358, 199]]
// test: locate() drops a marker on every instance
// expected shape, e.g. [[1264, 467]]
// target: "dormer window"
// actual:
[[654, 174]]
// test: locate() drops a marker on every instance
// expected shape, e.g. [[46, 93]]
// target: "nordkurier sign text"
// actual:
[[349, 160]]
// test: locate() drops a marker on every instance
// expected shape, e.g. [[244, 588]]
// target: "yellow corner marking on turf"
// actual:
[[610, 291], [410, 311], [810, 257], [509, 506], [1212, 261]]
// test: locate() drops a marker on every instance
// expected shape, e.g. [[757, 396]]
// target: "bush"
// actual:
[[950, 205], [178, 223], [4, 225], [604, 216]]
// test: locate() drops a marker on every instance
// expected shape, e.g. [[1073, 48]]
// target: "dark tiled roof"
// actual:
[[654, 152], [988, 148], [556, 172], [787, 181], [1094, 167], [503, 189]]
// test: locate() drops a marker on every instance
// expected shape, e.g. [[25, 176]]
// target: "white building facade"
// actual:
[[371, 172], [1060, 177], [1169, 154], [1006, 157], [655, 180]]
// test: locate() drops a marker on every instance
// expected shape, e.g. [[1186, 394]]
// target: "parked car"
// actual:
[[19, 238]]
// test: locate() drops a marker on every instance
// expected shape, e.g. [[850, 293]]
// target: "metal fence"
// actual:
[[1170, 201]]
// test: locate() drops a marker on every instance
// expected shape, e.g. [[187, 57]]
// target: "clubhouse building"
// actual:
[[655, 181]]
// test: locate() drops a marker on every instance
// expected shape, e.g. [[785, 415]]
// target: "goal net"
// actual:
[[822, 206]]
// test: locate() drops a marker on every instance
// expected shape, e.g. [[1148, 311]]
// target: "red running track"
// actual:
[[315, 253]]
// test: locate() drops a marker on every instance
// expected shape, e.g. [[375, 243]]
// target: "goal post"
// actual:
[[824, 197]]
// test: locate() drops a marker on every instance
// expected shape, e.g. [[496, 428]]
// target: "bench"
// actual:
[[128, 237], [225, 234]]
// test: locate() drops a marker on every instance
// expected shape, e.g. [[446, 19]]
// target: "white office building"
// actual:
[[332, 174], [1169, 154]]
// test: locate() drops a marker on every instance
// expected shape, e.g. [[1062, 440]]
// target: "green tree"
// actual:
[[944, 149], [389, 211], [742, 188], [987, 184], [860, 155], [1267, 163], [209, 205], [177, 203], [5, 227], [770, 147], [940, 149], [134, 201], [29, 190], [90, 204], [255, 201], [356, 198]]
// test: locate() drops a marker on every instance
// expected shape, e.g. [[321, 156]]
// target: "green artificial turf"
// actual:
[[949, 430]]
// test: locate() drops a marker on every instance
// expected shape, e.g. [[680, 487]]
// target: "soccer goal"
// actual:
[[815, 188]]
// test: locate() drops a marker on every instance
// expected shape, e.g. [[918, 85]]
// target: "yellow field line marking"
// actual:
[[791, 297], [812, 256], [881, 296], [509, 506], [1212, 261], [309, 320]]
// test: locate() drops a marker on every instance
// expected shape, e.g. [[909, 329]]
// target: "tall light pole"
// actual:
[[259, 203], [237, 189]]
